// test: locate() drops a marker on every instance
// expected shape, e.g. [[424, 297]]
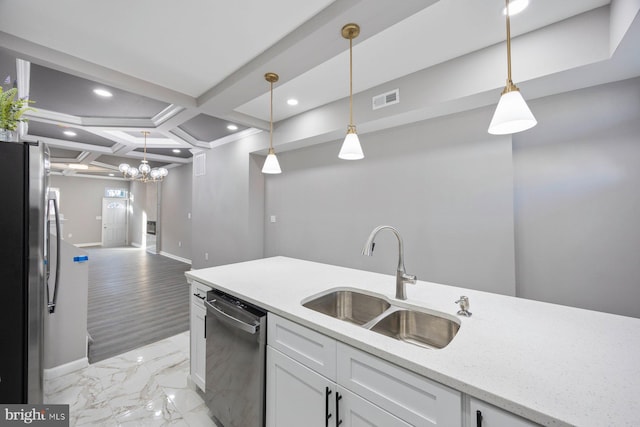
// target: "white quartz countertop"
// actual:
[[552, 364]]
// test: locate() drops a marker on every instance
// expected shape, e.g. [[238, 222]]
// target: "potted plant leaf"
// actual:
[[11, 111]]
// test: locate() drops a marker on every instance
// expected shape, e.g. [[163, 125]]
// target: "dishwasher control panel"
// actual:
[[228, 299]]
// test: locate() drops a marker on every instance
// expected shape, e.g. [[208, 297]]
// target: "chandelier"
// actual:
[[144, 172]]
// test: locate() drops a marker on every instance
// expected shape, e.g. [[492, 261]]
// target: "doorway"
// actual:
[[114, 222]]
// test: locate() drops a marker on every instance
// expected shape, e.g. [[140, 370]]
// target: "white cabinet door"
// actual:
[[296, 395], [198, 347], [490, 416], [354, 411], [198, 344]]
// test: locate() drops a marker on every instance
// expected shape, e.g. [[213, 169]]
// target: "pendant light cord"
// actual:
[[144, 156], [351, 82], [509, 82], [271, 119]]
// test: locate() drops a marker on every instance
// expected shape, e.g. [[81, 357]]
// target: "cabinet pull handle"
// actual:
[[338, 398], [199, 296], [326, 406], [478, 419], [205, 326]]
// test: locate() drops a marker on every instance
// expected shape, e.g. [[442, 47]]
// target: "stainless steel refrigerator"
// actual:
[[23, 270]]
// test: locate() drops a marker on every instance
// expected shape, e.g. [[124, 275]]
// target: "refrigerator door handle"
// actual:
[[51, 302], [47, 246]]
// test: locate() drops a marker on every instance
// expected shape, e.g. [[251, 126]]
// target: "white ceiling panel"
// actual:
[[188, 46]]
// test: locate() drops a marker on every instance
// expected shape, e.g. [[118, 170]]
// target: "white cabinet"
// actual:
[[482, 414], [312, 378], [296, 395], [198, 348]]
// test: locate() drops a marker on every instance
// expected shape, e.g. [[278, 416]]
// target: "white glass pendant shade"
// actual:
[[271, 164], [133, 172], [124, 167], [163, 172], [155, 173], [512, 115], [351, 149], [144, 167]]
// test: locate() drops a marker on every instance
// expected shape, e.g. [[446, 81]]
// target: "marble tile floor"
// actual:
[[143, 387]]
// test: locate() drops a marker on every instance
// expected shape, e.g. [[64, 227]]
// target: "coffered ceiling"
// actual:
[[188, 70]]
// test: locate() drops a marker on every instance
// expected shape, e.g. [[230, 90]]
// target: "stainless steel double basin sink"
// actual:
[[377, 314]]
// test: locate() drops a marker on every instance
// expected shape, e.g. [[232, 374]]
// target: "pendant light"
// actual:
[[512, 114], [144, 172], [271, 164], [351, 149]]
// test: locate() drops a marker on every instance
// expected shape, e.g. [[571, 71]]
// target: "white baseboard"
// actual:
[[84, 245], [136, 245], [67, 368], [176, 257]]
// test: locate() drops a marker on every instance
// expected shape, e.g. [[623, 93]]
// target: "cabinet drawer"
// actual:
[[199, 292], [356, 411], [312, 349], [490, 416], [411, 397]]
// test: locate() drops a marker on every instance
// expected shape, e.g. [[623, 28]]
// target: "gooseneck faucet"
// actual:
[[401, 276]]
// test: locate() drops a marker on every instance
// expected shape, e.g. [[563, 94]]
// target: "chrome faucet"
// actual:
[[401, 276]]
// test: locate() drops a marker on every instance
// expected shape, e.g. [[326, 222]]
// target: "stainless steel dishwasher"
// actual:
[[236, 334]]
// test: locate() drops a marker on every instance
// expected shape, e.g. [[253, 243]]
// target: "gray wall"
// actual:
[[455, 193], [81, 203], [175, 212], [228, 204], [555, 218], [577, 200], [447, 187]]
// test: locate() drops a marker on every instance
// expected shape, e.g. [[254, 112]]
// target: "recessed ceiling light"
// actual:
[[176, 150], [103, 92], [515, 7], [111, 174], [78, 166], [292, 101], [69, 133], [232, 127]]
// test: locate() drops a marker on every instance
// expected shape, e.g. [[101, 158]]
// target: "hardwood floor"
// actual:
[[135, 298]]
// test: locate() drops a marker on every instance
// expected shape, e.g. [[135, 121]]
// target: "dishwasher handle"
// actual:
[[237, 323]]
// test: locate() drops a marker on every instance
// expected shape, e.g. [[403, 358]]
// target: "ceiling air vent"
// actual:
[[386, 99]]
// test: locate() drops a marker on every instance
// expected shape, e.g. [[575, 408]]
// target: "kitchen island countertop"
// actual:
[[552, 364]]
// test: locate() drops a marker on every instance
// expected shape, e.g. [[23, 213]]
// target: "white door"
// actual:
[[198, 343], [297, 396], [114, 222]]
